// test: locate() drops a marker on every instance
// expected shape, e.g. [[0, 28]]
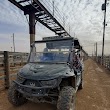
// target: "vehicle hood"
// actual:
[[45, 71]]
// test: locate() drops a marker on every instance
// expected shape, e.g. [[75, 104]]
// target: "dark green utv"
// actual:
[[52, 74]]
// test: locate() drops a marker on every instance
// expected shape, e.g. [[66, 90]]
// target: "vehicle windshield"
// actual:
[[53, 52]]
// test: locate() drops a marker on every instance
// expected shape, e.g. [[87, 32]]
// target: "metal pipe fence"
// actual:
[[105, 62], [10, 63]]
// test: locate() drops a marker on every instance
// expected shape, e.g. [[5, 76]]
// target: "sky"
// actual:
[[84, 17]]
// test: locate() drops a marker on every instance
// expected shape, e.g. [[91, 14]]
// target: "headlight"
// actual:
[[49, 82], [20, 78]]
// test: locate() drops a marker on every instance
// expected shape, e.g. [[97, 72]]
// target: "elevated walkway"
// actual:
[[42, 15]]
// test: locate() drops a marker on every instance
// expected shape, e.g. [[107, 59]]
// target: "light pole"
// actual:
[[11, 49], [63, 21], [104, 9], [13, 42], [69, 29], [96, 51], [53, 7]]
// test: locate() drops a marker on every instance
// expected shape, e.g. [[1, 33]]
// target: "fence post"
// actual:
[[7, 69], [21, 59], [109, 62]]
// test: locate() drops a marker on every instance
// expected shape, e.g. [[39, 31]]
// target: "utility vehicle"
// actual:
[[52, 74]]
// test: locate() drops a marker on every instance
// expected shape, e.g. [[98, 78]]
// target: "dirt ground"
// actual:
[[94, 96]]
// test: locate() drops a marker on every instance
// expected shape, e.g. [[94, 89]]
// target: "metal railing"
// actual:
[[105, 62]]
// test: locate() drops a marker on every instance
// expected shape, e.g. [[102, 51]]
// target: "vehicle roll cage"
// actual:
[[76, 42]]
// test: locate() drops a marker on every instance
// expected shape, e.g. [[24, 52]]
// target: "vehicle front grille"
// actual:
[[32, 83]]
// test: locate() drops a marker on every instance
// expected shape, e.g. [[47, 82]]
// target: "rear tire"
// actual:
[[66, 100], [15, 97], [81, 84]]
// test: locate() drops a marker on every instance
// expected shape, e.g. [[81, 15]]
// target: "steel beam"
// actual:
[[17, 4]]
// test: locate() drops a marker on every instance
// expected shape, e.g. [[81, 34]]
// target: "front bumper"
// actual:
[[30, 91]]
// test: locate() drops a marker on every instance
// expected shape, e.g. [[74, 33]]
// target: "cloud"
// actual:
[[10, 14], [84, 17]]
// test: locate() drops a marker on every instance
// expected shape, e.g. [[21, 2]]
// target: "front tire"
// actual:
[[66, 100], [15, 97]]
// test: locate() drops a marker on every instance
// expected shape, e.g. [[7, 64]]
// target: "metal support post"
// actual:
[[32, 24], [104, 8]]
